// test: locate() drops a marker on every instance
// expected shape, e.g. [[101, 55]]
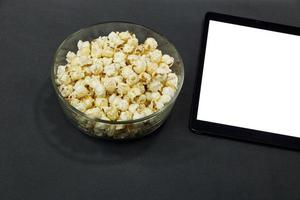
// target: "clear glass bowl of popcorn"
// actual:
[[116, 129]]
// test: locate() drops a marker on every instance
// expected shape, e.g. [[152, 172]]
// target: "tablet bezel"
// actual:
[[245, 134]]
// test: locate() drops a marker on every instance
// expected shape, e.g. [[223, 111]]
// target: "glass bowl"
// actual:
[[116, 130]]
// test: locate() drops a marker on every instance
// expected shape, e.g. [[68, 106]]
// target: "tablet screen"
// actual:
[[251, 79]]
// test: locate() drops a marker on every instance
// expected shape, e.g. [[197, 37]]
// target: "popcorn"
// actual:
[[96, 50], [108, 52], [122, 104], [126, 72], [125, 97], [154, 86], [151, 67], [79, 83], [83, 45], [153, 96], [110, 70], [168, 91], [141, 87], [101, 102], [138, 115], [155, 56], [87, 71], [115, 78], [112, 113], [148, 96], [78, 105], [139, 50], [65, 90], [118, 79], [123, 88], [124, 35], [84, 60], [167, 59], [83, 48], [128, 48], [134, 92], [159, 105], [97, 67], [106, 109], [163, 69], [114, 38], [133, 107], [132, 79], [93, 113], [64, 79], [99, 90], [119, 57], [141, 99], [133, 42], [150, 44], [88, 101], [147, 111], [104, 117], [76, 73], [110, 85], [61, 70], [160, 77], [164, 98], [139, 66], [112, 98], [70, 56], [132, 58], [107, 61], [172, 80], [125, 116], [80, 91], [145, 78]]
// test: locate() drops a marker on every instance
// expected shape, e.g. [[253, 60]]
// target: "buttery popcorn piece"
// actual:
[[154, 86], [133, 107], [122, 104], [167, 59], [97, 67], [139, 66], [122, 88], [155, 56], [138, 115], [168, 91], [112, 113], [93, 113], [119, 57], [125, 116], [172, 80], [124, 35], [65, 90], [110, 70], [101, 102], [150, 44], [81, 91]]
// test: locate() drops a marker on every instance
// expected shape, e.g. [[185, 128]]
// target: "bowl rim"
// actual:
[[73, 109]]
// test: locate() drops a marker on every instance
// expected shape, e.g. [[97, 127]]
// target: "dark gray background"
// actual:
[[42, 156]]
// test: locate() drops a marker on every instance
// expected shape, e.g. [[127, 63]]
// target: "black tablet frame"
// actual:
[[244, 134]]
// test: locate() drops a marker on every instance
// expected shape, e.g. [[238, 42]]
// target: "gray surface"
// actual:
[[43, 157]]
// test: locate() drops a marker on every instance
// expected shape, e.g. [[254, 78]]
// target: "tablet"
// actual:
[[248, 83]]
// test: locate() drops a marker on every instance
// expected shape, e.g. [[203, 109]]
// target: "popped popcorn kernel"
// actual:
[[150, 44]]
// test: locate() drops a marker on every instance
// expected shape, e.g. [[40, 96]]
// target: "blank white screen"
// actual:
[[251, 79]]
